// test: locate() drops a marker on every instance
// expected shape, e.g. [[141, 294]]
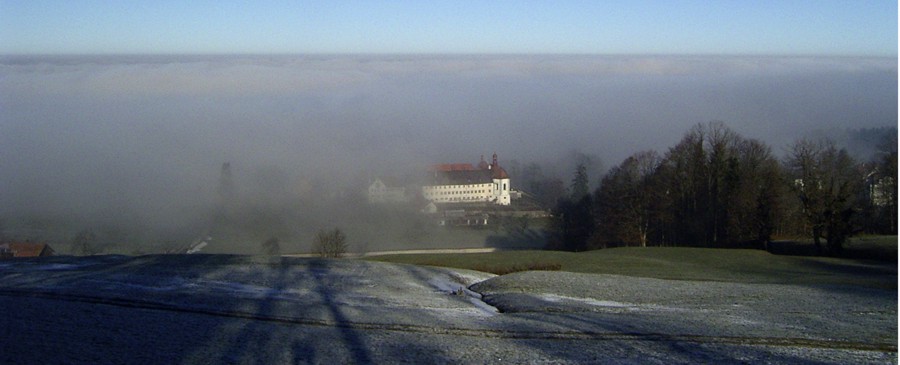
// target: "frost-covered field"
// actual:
[[240, 309]]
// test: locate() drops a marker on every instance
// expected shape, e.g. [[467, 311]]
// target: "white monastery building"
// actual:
[[464, 183]]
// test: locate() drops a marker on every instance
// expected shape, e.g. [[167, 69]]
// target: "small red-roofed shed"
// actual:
[[25, 249]]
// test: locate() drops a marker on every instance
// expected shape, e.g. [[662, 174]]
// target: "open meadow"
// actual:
[[625, 305], [699, 264]]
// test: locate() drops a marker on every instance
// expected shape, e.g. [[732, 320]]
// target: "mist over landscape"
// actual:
[[449, 182], [102, 140]]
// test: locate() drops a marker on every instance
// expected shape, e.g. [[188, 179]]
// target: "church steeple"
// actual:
[[497, 171], [226, 184], [483, 165]]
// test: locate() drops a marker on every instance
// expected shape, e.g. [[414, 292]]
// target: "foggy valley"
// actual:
[[132, 147]]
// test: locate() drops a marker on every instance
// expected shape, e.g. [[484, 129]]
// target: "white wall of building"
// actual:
[[497, 192], [381, 193], [501, 191], [463, 193]]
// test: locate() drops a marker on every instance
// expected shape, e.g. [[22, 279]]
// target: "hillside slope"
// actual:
[[253, 310]]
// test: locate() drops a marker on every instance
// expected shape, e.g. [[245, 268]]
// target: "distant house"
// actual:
[[880, 188], [880, 191], [431, 208], [25, 249], [381, 192]]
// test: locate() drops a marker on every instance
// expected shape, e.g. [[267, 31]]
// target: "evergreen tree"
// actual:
[[573, 225], [580, 183]]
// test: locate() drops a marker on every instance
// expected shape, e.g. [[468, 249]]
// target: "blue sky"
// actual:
[[771, 27]]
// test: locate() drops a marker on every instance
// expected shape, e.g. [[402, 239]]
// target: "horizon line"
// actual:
[[443, 54]]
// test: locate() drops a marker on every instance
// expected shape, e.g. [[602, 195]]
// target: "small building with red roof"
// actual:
[[25, 249]]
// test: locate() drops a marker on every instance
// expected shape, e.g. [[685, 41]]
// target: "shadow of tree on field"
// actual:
[[354, 343], [528, 239], [860, 250], [255, 310], [850, 274], [253, 335], [275, 328]]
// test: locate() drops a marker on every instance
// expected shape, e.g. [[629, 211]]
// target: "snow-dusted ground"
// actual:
[[239, 309]]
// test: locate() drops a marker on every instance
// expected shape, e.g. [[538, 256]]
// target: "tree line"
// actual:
[[716, 188]]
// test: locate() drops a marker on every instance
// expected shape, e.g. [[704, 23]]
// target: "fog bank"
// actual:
[[143, 137]]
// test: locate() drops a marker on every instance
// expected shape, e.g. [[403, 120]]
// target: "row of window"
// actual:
[[451, 187], [463, 198], [458, 192]]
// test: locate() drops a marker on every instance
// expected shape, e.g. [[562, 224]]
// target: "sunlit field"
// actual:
[[731, 265]]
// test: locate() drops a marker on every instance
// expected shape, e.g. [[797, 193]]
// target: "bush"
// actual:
[[330, 244], [85, 243]]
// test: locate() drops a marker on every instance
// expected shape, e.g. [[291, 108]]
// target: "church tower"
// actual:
[[226, 184], [501, 182]]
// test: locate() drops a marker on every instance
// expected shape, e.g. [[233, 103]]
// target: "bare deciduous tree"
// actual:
[[85, 243], [331, 244], [826, 181]]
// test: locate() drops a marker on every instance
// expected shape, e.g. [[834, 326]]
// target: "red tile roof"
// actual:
[[445, 167], [499, 173], [465, 173], [459, 177], [27, 249]]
